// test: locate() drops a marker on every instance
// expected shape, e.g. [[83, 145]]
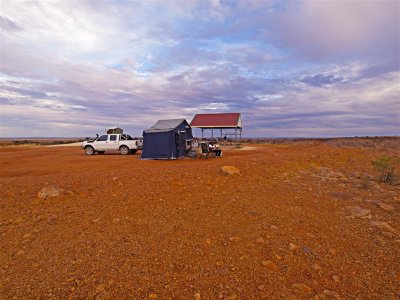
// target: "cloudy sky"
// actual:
[[292, 68]]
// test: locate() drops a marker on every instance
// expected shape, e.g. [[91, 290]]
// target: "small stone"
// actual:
[[115, 179], [335, 278], [20, 252], [358, 212], [36, 201], [332, 251], [301, 288], [50, 191], [273, 227], [230, 170], [116, 220], [234, 239], [385, 206], [19, 220], [153, 296], [52, 219], [261, 287], [331, 294], [196, 296], [269, 264], [260, 240], [220, 296], [383, 225], [27, 236], [232, 296], [317, 267], [293, 246]]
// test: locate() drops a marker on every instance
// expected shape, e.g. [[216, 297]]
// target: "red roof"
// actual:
[[217, 120]]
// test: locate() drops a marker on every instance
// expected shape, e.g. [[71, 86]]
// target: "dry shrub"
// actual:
[[387, 167]]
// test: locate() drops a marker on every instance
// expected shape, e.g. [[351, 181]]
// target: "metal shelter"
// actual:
[[227, 124]]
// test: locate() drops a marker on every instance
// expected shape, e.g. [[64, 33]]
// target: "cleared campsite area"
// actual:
[[301, 220]]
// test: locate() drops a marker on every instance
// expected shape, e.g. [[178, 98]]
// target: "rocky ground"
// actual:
[[294, 221]]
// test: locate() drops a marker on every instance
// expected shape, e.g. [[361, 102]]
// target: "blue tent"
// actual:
[[166, 139]]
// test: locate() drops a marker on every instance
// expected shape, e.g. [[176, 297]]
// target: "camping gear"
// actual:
[[114, 130], [167, 139]]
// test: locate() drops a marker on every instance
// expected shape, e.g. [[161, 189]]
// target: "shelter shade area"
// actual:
[[229, 124]]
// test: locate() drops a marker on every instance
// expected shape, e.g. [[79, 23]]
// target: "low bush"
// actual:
[[387, 166]]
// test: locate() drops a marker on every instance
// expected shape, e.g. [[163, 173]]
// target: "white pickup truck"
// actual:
[[123, 143]]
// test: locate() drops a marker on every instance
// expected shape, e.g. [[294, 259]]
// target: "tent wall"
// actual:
[[158, 145], [167, 144]]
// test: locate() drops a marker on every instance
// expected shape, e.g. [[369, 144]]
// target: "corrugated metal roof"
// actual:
[[227, 120], [165, 125]]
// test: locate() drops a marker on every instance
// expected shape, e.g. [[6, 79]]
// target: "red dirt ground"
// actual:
[[131, 229]]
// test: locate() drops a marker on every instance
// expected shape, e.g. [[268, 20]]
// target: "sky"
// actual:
[[291, 68]]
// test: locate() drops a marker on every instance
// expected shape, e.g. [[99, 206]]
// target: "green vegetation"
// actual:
[[387, 167]]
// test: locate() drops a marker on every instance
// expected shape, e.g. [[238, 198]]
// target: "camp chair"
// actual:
[[205, 150]]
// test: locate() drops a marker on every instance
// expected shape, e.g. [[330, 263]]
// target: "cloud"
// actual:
[[7, 24], [322, 80], [292, 68], [320, 29]]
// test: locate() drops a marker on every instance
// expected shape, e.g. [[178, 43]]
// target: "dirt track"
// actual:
[[125, 228]]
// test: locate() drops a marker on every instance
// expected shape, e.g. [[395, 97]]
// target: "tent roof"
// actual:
[[165, 125], [228, 120]]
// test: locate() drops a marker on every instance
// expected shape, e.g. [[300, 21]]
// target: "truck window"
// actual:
[[103, 138], [113, 137]]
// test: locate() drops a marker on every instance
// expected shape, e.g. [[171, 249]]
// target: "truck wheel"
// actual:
[[101, 152], [124, 150], [89, 150], [133, 151]]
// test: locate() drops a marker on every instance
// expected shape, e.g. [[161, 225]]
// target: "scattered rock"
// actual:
[[116, 220], [260, 240], [385, 206], [234, 239], [230, 170], [20, 252], [331, 294], [335, 278], [196, 296], [232, 296], [382, 225], [27, 236], [301, 288], [52, 220], [19, 220], [359, 212], [153, 296], [293, 246], [269, 264], [317, 267], [327, 295], [261, 287], [50, 191], [332, 251]]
